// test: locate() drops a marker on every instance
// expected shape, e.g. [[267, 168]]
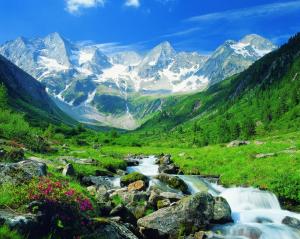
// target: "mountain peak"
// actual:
[[54, 35], [166, 45], [257, 41]]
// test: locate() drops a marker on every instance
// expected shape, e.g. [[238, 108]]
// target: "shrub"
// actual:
[[68, 211], [50, 191]]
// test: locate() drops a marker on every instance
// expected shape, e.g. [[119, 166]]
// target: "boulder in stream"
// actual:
[[174, 182], [133, 177], [292, 222], [222, 211], [191, 213]]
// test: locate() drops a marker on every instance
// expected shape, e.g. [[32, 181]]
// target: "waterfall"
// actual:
[[250, 198], [146, 166], [198, 184]]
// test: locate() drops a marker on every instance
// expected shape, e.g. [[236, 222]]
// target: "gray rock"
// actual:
[[111, 230], [154, 198], [131, 162], [22, 171], [40, 160], [138, 209], [168, 169], [173, 197], [103, 201], [292, 222], [102, 194], [121, 172], [23, 223], [192, 213], [237, 143], [68, 170], [125, 214], [222, 211], [266, 155], [165, 159], [98, 181], [163, 203], [68, 159]]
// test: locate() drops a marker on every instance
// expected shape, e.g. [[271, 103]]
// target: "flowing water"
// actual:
[[257, 214]]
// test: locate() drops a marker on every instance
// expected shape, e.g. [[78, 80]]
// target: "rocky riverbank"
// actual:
[[150, 200]]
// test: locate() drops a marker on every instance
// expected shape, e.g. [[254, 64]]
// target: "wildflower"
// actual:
[[70, 192]]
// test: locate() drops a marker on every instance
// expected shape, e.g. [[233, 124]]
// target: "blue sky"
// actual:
[[199, 25]]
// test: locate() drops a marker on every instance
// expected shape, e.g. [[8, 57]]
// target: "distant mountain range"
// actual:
[[123, 89]]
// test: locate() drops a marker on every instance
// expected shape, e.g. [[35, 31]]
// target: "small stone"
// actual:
[[258, 142], [137, 186], [121, 172], [92, 190], [266, 155]]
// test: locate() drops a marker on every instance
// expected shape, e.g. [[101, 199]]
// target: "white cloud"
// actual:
[[74, 6], [257, 11], [132, 3], [182, 33]]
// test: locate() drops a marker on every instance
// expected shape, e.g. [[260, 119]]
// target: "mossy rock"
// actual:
[[174, 182], [133, 177], [163, 203]]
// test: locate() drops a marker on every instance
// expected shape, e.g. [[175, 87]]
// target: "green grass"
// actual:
[[117, 200], [13, 197], [6, 233], [238, 165]]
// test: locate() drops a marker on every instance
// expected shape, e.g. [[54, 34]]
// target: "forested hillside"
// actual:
[[261, 100]]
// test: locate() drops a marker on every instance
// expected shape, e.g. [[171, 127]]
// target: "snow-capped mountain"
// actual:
[[233, 57], [94, 86]]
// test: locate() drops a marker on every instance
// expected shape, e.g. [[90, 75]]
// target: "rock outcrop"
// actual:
[[22, 171], [236, 143]]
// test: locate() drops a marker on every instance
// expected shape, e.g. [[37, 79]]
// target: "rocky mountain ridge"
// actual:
[[101, 88]]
